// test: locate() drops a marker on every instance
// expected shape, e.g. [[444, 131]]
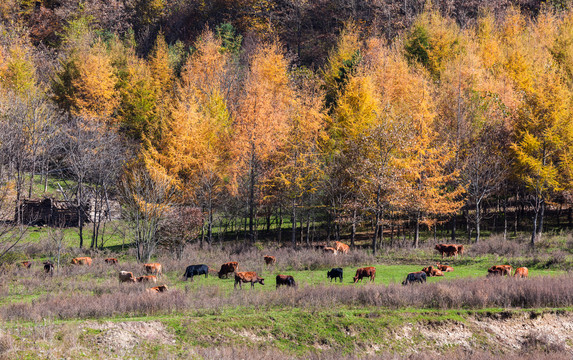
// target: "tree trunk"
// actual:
[[505, 218], [279, 234], [417, 233], [454, 228], [541, 218], [252, 179], [353, 234], [293, 221], [478, 221], [535, 220]]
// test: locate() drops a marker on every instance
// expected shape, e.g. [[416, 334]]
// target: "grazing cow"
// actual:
[[460, 249], [365, 272], [334, 273], [521, 272], [270, 260], [111, 261], [329, 250], [431, 271], [449, 250], [49, 267], [499, 270], [341, 247], [126, 276], [147, 278], [25, 264], [413, 277], [227, 268], [82, 261], [444, 268], [285, 280], [193, 270], [247, 276], [153, 269], [157, 289]]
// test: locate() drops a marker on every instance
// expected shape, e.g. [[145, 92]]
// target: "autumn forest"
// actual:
[[296, 121]]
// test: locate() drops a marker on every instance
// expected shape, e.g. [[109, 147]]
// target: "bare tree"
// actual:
[[146, 194], [180, 225]]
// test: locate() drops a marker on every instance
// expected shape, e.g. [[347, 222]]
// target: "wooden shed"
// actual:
[[51, 212]]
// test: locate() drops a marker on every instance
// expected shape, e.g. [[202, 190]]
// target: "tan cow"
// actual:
[[444, 268], [447, 249], [248, 277], [270, 260], [126, 276], [157, 289], [111, 261], [341, 247], [153, 268], [431, 271], [330, 250], [82, 261], [148, 278], [521, 272], [499, 270]]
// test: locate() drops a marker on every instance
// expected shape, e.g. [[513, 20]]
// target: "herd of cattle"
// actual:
[[154, 270]]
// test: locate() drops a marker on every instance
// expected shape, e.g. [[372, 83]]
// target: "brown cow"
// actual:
[[25, 264], [247, 276], [111, 261], [431, 271], [126, 276], [499, 270], [148, 278], [286, 280], [153, 268], [86, 260], [341, 247], [365, 272], [227, 268], [444, 268], [270, 260], [329, 250], [449, 250], [157, 289], [521, 272]]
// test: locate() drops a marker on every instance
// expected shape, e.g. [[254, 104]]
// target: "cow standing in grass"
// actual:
[[341, 247], [153, 269], [193, 270], [419, 276], [365, 272], [248, 277], [521, 272], [270, 260], [286, 280], [335, 273], [227, 268], [147, 279], [126, 276]]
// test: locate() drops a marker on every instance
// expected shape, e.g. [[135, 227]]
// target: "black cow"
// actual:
[[193, 270], [287, 280], [334, 273], [49, 267], [419, 276]]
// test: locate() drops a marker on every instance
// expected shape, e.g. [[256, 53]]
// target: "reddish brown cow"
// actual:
[[341, 247], [247, 276], [82, 261], [126, 276], [157, 289], [25, 264], [329, 250], [521, 272], [499, 270], [365, 272], [270, 260], [444, 268], [227, 268], [111, 261], [448, 250], [286, 280], [431, 271], [153, 268], [148, 278]]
